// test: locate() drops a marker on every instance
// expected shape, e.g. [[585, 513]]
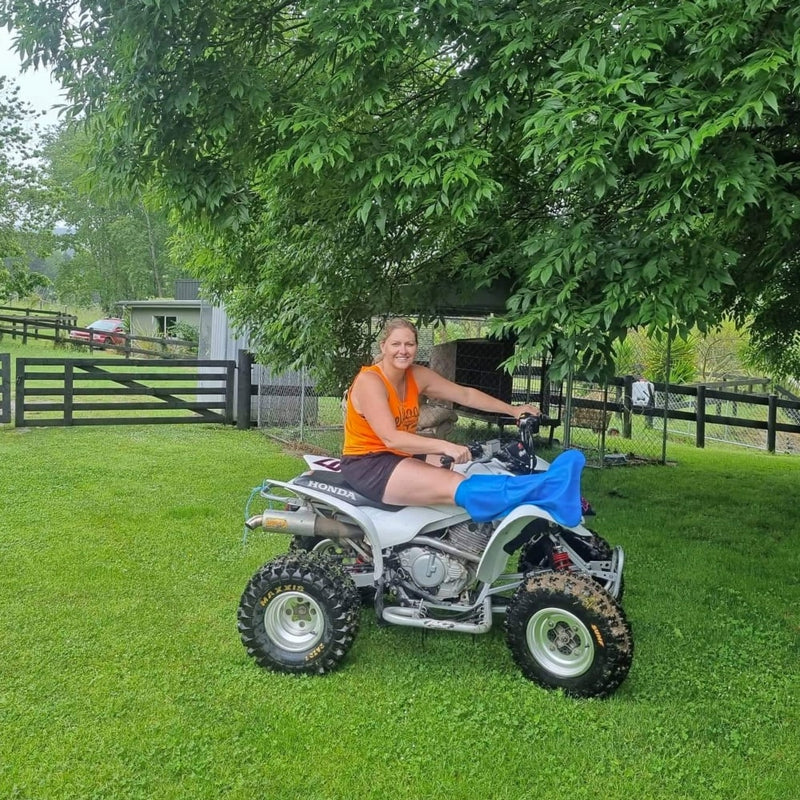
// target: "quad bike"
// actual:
[[435, 568]]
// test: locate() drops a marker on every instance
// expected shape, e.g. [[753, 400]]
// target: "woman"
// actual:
[[383, 456]]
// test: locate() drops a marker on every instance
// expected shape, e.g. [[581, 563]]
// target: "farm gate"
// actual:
[[117, 391]]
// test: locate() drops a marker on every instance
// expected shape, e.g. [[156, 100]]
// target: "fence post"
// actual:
[[230, 381], [700, 417], [568, 409], [772, 419], [19, 409], [69, 391], [627, 424], [5, 387], [302, 401], [244, 389]]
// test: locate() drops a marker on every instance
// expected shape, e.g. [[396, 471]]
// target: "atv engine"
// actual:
[[446, 571]]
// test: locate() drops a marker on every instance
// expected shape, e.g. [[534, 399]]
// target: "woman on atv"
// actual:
[[386, 460]]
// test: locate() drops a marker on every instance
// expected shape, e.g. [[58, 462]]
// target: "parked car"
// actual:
[[103, 331]]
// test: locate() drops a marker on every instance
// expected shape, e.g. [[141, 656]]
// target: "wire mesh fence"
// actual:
[[630, 420], [734, 418], [287, 406], [603, 421]]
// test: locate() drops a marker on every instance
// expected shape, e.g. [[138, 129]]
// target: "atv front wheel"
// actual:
[[299, 613], [565, 632], [538, 554]]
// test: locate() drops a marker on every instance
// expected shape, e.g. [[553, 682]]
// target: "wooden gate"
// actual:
[[116, 391]]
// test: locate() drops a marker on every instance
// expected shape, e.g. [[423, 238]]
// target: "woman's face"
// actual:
[[400, 348]]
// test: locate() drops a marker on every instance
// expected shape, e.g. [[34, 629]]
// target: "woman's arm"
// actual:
[[436, 387]]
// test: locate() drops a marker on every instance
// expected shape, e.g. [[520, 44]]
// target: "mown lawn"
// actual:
[[122, 675]]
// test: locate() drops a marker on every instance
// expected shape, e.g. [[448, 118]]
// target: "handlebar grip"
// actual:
[[542, 418], [446, 461]]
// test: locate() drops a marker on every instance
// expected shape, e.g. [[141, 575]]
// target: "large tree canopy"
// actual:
[[612, 164]]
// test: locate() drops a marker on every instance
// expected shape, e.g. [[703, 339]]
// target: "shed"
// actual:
[[156, 317]]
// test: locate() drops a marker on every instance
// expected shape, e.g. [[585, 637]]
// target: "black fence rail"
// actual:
[[82, 391], [781, 415], [30, 323], [699, 405], [5, 387], [53, 326]]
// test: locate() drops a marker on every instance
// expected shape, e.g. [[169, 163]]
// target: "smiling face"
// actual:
[[399, 345]]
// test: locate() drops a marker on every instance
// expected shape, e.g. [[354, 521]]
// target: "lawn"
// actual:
[[122, 674]]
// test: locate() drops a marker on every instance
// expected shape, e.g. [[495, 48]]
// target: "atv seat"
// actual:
[[334, 484]]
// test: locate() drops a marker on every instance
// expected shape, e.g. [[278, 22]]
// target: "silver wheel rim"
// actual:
[[294, 621], [560, 642], [330, 547], [327, 547]]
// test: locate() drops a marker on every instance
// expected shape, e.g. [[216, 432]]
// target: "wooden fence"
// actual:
[[695, 404], [54, 326], [109, 391], [113, 391]]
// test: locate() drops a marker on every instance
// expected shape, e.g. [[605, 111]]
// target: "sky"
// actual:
[[36, 87]]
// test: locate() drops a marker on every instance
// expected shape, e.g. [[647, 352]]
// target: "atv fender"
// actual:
[[494, 559]]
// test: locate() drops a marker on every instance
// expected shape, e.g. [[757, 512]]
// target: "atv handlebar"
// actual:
[[528, 424]]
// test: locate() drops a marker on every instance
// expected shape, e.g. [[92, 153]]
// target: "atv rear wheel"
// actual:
[[565, 632], [337, 551], [299, 613]]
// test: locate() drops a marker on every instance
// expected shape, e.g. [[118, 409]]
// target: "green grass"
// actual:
[[122, 674]]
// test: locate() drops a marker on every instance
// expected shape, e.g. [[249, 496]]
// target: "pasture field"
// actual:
[[122, 675]]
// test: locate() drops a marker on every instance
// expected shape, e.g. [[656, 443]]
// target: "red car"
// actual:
[[104, 331]]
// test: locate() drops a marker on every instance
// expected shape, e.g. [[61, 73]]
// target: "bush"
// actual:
[[185, 331]]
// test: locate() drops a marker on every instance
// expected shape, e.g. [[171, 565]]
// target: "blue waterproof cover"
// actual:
[[557, 491]]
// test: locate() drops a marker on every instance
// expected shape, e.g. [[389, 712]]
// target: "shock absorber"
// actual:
[[560, 558]]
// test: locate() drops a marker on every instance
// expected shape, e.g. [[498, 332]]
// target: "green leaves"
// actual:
[[616, 165]]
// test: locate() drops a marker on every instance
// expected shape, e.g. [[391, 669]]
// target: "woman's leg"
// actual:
[[413, 482]]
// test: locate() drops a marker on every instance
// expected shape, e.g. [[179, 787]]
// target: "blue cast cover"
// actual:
[[557, 491]]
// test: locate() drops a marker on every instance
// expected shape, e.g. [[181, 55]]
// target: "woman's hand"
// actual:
[[526, 409], [458, 452]]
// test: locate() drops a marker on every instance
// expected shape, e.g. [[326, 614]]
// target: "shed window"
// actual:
[[164, 324]]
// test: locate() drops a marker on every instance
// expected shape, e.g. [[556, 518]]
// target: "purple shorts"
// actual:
[[369, 474]]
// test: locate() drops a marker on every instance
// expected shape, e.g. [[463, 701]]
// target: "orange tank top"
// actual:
[[359, 438]]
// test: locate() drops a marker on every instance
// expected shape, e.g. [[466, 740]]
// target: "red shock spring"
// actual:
[[560, 559]]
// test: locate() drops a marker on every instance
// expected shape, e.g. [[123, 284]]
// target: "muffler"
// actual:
[[302, 522]]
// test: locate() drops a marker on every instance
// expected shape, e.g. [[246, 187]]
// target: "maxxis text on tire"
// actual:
[[565, 632], [299, 613]]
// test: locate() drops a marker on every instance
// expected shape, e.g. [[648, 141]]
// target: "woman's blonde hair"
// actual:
[[395, 323], [392, 325]]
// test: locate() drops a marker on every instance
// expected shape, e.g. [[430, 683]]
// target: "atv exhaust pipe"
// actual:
[[303, 522]]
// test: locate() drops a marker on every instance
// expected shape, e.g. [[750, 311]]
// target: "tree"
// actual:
[[117, 238], [614, 165], [24, 230]]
